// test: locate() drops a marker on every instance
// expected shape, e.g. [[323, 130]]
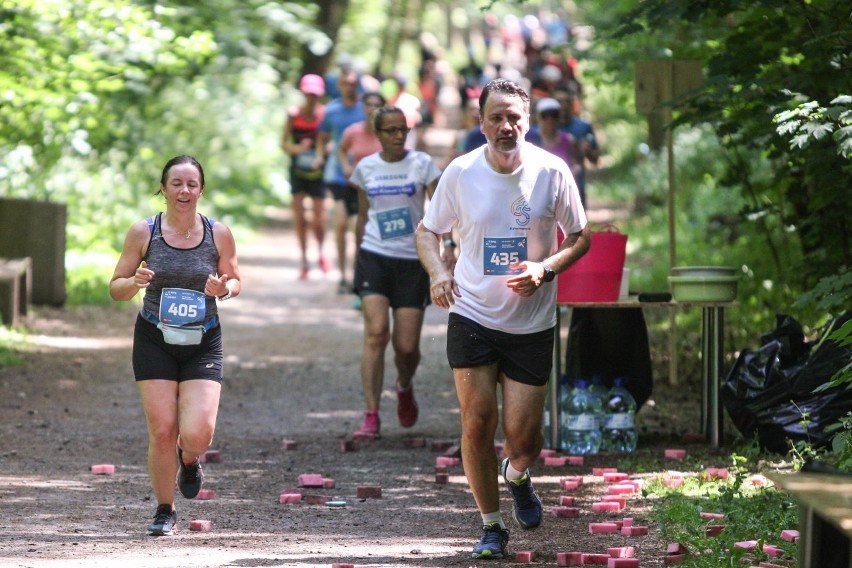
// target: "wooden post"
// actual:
[[658, 85]]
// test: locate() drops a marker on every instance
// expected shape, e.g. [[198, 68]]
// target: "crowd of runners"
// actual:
[[478, 239]]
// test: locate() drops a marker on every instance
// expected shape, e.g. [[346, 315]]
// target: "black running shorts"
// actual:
[[348, 194], [404, 282], [526, 358], [153, 358]]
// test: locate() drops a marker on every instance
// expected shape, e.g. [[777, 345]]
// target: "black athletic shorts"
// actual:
[[404, 282], [311, 187], [153, 358], [526, 358], [348, 194]]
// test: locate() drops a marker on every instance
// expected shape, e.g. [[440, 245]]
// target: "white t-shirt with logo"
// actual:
[[502, 218], [397, 195]]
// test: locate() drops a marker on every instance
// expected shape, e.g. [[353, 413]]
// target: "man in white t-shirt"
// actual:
[[506, 201]]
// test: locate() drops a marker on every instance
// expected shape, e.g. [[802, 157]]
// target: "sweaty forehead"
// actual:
[[504, 103]]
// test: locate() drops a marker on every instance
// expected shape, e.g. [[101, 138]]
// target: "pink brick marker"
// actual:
[[310, 480], [634, 531], [328, 483], [315, 499], [595, 559], [566, 512], [621, 552], [555, 461], [287, 498], [569, 558], [790, 535], [525, 556], [200, 525], [606, 507], [566, 500], [674, 453], [447, 461], [205, 495], [289, 444], [602, 528], [369, 492], [339, 565], [622, 563], [103, 469]]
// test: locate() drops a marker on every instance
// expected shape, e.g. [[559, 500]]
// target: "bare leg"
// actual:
[[476, 389], [300, 225], [376, 338], [407, 324]]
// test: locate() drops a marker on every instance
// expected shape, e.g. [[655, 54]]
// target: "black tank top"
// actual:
[[180, 268]]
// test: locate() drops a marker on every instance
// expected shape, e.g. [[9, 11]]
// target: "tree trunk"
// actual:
[[332, 14]]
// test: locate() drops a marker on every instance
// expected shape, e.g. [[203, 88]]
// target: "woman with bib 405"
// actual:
[[184, 262]]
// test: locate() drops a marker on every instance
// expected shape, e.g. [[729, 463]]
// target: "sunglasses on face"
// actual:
[[394, 131], [550, 114]]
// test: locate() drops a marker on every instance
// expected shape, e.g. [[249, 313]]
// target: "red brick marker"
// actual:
[[369, 492], [525, 556]]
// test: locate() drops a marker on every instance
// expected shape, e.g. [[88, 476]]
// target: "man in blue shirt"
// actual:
[[340, 113], [583, 132]]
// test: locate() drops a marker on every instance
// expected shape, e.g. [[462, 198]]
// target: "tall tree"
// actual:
[[763, 58]]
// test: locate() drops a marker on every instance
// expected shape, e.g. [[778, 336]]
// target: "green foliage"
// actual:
[[791, 191], [11, 343], [751, 513]]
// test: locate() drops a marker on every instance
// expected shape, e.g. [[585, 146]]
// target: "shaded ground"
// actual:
[[291, 371]]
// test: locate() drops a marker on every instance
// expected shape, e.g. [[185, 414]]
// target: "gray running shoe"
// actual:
[[165, 520]]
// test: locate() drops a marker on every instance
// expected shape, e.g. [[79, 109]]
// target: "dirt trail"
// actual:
[[292, 367]]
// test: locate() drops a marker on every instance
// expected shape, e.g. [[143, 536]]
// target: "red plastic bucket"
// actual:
[[596, 277]]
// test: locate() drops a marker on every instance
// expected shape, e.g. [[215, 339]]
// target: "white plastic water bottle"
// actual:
[[578, 429], [619, 429]]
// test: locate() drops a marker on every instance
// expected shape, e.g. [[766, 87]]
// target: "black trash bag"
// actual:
[[768, 392]]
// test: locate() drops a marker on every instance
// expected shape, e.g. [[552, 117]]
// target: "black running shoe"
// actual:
[[493, 542], [190, 477], [165, 520], [527, 509]]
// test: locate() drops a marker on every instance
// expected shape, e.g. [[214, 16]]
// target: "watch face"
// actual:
[[549, 274]]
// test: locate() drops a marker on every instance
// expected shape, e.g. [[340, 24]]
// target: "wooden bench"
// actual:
[[16, 283], [825, 517]]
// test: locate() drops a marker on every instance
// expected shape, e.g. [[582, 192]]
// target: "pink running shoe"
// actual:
[[325, 264], [406, 408], [372, 424]]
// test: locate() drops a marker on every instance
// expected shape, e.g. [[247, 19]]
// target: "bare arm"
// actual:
[[570, 251], [131, 273], [320, 147], [361, 220], [443, 285], [227, 279]]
